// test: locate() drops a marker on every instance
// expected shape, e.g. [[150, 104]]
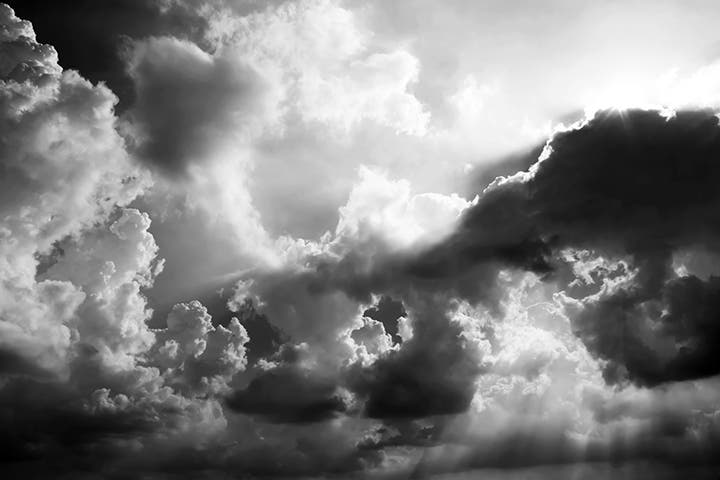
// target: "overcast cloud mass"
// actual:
[[359, 239]]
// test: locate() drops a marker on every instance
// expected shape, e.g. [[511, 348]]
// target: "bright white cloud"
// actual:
[[322, 58], [64, 168], [387, 210]]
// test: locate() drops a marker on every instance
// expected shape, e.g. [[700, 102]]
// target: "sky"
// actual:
[[359, 239]]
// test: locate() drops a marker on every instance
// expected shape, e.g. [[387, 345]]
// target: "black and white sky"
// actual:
[[359, 239]]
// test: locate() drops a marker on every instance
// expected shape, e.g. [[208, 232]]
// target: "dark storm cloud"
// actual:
[[48, 420], [633, 181], [685, 312], [431, 374], [289, 393], [399, 275], [13, 363]]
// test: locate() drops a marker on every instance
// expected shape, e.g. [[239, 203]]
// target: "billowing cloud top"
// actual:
[[325, 239]]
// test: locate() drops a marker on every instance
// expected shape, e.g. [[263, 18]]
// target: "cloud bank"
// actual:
[[160, 317]]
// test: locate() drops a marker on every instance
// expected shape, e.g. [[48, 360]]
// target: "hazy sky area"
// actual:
[[359, 239]]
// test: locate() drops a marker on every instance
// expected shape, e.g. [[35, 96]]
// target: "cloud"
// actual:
[[635, 184], [188, 101], [75, 261], [632, 193], [324, 59], [386, 210], [650, 339], [101, 32], [433, 373], [206, 108], [265, 338], [289, 394], [108, 374], [563, 316], [196, 115], [388, 312], [197, 356], [294, 304], [372, 339], [111, 264], [542, 400], [510, 365], [66, 426], [64, 168]]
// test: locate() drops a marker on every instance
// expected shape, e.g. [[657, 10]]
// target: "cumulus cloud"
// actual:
[[380, 208], [111, 265], [109, 391], [64, 168], [196, 355], [75, 264], [323, 58]]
